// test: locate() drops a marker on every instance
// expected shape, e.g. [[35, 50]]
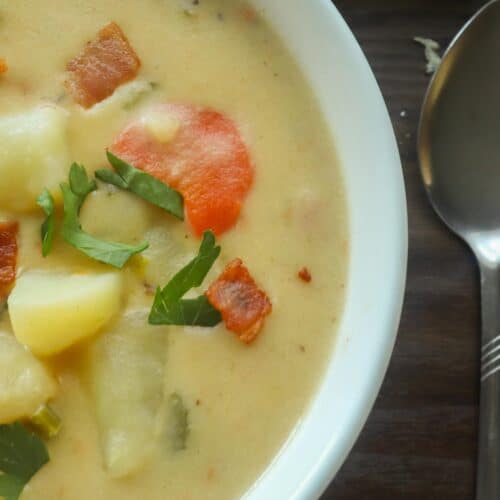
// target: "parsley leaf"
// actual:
[[10, 487], [22, 454], [143, 185], [190, 312], [170, 309], [79, 182], [74, 194], [46, 202], [193, 274]]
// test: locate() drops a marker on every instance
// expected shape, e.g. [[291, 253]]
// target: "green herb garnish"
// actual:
[[170, 309], [22, 454], [193, 274], [79, 183], [143, 185], [46, 202], [178, 423], [191, 312], [74, 194]]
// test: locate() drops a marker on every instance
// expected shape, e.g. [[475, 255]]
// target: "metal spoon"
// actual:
[[459, 149]]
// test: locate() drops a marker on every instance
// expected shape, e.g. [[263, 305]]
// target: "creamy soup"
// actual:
[[155, 411]]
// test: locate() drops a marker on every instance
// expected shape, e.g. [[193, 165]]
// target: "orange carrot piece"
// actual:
[[8, 256], [105, 63], [3, 66], [242, 304], [206, 161]]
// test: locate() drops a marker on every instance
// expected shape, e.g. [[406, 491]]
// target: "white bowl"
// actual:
[[338, 72]]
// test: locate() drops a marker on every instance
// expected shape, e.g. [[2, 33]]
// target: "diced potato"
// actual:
[[34, 155], [116, 216], [124, 97], [25, 384], [125, 371], [88, 135], [163, 127], [168, 252], [50, 312]]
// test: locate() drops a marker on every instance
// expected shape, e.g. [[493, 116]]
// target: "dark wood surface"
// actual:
[[420, 440]]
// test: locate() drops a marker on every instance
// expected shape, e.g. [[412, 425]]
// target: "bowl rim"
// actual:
[[316, 449]]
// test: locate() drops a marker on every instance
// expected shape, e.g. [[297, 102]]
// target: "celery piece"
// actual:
[[177, 423], [46, 421]]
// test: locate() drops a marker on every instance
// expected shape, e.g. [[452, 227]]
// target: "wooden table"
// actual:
[[420, 440]]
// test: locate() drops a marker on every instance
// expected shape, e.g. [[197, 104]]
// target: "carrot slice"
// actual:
[[8, 256], [205, 159], [105, 63], [3, 66], [242, 304]]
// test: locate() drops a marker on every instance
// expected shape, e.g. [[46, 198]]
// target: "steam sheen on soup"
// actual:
[[173, 248]]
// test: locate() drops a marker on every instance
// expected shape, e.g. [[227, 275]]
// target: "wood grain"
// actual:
[[420, 440]]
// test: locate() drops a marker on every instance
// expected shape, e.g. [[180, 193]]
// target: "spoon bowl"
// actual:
[[459, 150], [459, 143]]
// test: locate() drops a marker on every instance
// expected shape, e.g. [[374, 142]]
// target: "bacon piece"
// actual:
[[3, 66], [106, 63], [8, 256], [305, 275], [242, 304]]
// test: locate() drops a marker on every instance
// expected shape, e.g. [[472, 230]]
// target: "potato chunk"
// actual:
[[50, 312], [34, 155], [167, 253], [25, 384], [125, 370], [116, 216]]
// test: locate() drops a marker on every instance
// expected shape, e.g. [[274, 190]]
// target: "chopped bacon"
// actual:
[[106, 62], [3, 66], [305, 275], [8, 256], [242, 304]]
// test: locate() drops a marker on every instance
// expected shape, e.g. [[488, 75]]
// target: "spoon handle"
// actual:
[[488, 467]]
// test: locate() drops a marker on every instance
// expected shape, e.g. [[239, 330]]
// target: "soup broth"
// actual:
[[242, 401]]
